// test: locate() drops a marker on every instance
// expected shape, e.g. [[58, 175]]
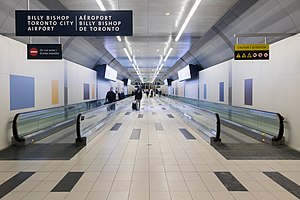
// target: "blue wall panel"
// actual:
[[86, 91], [21, 92], [248, 92], [221, 91], [205, 91]]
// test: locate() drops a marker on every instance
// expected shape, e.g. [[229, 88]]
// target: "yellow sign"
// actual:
[[251, 47]]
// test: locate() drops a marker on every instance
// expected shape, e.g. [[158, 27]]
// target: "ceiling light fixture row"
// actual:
[[159, 67], [135, 67], [187, 20]]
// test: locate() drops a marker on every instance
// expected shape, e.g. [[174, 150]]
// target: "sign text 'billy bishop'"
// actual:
[[73, 23]]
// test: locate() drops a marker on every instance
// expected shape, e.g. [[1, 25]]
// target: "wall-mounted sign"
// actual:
[[251, 52], [44, 51], [73, 23]]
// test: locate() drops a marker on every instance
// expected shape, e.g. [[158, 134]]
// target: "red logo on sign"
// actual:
[[33, 52]]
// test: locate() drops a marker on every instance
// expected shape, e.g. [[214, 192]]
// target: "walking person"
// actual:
[[138, 97], [110, 97]]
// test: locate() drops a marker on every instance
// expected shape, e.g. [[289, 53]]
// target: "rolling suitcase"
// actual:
[[133, 105]]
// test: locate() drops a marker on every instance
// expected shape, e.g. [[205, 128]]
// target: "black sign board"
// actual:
[[44, 51], [251, 52], [73, 23]]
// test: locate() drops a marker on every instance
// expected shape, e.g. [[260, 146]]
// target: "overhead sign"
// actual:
[[73, 23], [44, 51], [251, 52]]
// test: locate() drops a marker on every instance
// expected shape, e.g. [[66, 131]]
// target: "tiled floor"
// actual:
[[159, 164]]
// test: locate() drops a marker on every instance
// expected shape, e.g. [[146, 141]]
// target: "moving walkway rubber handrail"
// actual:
[[78, 133], [281, 128], [80, 117], [280, 117], [52, 113], [15, 129], [218, 128], [218, 121]]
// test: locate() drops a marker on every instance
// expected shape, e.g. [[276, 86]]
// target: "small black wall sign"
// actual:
[[44, 51]]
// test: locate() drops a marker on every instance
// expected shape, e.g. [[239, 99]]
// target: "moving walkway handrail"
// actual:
[[44, 114], [81, 117], [218, 128], [15, 129], [217, 137], [281, 128], [271, 116]]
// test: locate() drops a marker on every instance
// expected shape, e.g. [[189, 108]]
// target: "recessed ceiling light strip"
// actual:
[[194, 8], [170, 50], [127, 54]]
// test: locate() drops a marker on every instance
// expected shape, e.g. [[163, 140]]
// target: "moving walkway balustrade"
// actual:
[[262, 125], [28, 125], [206, 121], [90, 122]]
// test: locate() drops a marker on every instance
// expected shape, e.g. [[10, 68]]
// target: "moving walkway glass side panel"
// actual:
[[204, 120], [35, 121], [266, 122], [94, 119]]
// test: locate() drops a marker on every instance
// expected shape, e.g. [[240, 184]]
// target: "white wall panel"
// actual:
[[212, 77], [191, 89], [13, 61], [77, 76], [103, 88]]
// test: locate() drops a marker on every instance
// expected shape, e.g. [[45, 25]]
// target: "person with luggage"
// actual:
[[110, 97], [138, 97]]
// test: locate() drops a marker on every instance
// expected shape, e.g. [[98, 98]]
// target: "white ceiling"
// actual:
[[154, 32]]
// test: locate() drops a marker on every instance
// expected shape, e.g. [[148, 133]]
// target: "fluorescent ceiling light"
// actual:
[[127, 54], [194, 8], [134, 66], [168, 54], [102, 8], [160, 67], [100, 4], [119, 38]]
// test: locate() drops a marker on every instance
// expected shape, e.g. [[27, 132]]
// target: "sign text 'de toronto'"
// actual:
[[73, 23]]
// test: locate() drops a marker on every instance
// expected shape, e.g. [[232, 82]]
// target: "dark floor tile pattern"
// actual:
[[284, 182], [140, 116], [127, 113], [159, 127], [135, 134], [67, 182], [256, 151], [170, 116], [52, 151], [230, 182], [154, 113], [187, 134], [14, 182], [163, 108], [116, 127]]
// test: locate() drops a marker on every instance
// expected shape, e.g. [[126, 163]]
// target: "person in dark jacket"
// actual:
[[138, 97], [110, 97]]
